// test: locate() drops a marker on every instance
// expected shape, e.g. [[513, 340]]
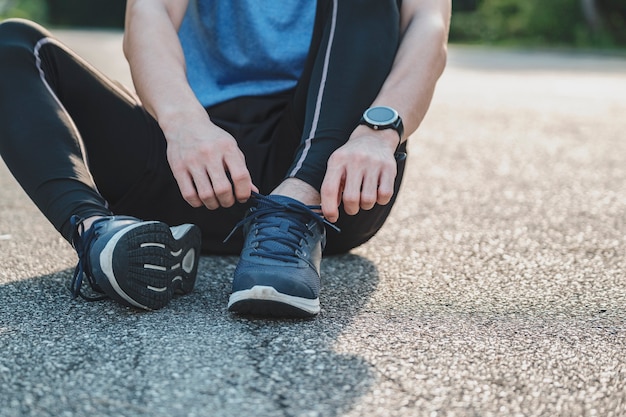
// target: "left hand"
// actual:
[[361, 173]]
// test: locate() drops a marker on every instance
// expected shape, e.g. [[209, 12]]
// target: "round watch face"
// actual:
[[381, 115]]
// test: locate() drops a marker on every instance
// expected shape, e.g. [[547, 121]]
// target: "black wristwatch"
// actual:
[[383, 117]]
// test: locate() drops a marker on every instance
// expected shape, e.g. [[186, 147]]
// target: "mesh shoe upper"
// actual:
[[282, 249], [83, 241]]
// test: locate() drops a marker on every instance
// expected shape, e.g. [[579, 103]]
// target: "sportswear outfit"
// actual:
[[291, 93]]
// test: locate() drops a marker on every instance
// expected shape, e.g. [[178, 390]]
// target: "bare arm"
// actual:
[[200, 154], [420, 61], [150, 43], [362, 172]]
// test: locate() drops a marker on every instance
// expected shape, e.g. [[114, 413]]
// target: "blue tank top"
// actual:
[[236, 48]]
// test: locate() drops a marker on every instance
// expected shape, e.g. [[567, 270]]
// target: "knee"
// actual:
[[20, 33], [18, 38]]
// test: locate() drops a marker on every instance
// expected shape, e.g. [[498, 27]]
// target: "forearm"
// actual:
[[419, 63], [157, 62], [362, 172]]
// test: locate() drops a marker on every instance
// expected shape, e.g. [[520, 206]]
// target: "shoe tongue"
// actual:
[[277, 246], [282, 222], [280, 199], [286, 216]]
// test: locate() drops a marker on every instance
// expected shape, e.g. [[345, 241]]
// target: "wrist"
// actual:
[[383, 118], [176, 119], [389, 137]]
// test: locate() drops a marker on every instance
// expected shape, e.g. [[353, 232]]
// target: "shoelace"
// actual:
[[82, 241], [285, 245]]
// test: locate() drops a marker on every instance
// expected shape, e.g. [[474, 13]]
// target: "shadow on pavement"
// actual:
[[68, 357]]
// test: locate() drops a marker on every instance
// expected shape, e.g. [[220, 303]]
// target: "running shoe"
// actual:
[[278, 273], [140, 264]]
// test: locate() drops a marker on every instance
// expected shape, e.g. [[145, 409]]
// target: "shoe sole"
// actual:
[[145, 264], [267, 301]]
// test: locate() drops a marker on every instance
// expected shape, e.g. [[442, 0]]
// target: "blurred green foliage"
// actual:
[[539, 22], [615, 18], [27, 9]]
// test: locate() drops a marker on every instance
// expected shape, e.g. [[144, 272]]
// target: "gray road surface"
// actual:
[[497, 287]]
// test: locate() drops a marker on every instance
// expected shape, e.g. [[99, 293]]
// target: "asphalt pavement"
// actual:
[[496, 288]]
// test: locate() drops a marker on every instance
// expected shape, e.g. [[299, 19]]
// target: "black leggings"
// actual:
[[81, 144]]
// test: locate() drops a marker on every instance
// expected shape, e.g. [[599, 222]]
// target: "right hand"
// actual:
[[207, 163]]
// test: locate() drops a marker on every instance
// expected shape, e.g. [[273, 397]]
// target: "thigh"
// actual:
[[69, 135], [118, 135]]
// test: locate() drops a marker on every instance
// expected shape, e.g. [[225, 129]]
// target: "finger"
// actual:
[[204, 188], [369, 191], [386, 187], [331, 194], [241, 180], [352, 193], [188, 190], [222, 187]]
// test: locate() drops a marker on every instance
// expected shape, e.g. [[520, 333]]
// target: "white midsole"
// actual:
[[180, 231], [106, 263], [265, 293]]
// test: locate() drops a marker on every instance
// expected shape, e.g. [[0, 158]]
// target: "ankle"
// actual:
[[87, 223], [298, 190]]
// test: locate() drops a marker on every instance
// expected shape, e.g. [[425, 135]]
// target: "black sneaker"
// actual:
[[279, 270], [137, 263]]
